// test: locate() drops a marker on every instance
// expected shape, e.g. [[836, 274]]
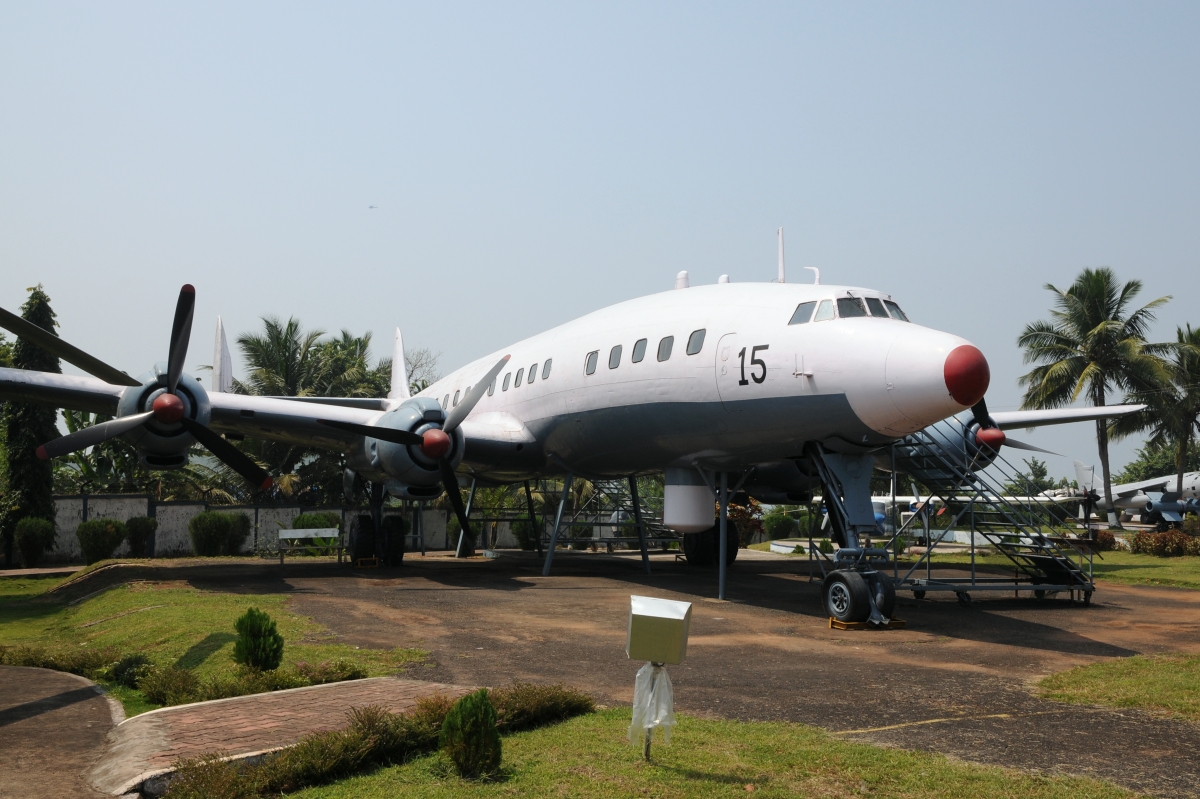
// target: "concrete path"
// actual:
[[52, 730], [143, 748]]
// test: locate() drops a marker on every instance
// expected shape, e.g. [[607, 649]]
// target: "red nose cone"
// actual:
[[167, 408], [437, 443], [992, 436], [967, 375]]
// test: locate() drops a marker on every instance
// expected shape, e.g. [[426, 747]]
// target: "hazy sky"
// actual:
[[531, 163]]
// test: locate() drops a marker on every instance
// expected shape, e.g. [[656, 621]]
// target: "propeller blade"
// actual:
[[381, 433], [980, 412], [181, 334], [56, 346], [1012, 442], [450, 483], [233, 457], [91, 436], [463, 408]]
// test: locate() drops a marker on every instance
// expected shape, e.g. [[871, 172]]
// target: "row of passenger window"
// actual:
[[665, 345], [847, 308]]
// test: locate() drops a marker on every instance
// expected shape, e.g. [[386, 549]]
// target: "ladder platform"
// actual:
[[894, 624]]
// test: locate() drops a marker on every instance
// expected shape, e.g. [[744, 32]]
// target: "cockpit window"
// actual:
[[849, 307], [803, 313], [896, 312], [824, 312], [876, 307]]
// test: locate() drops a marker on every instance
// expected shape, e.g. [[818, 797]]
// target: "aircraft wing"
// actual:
[[1009, 420], [89, 394]]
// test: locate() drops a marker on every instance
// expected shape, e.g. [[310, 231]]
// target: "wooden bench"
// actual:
[[317, 541]]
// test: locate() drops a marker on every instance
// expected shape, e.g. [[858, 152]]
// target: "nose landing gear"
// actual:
[[858, 596]]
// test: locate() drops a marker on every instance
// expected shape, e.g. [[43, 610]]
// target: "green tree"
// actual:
[[1155, 460], [6, 348], [1093, 344], [1035, 481], [30, 481], [1172, 414]]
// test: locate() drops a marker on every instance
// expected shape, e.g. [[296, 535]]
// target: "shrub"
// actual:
[[778, 525], [317, 521], [336, 670], [84, 661], [35, 537], [170, 686], [209, 532], [99, 538], [209, 777], [1105, 541], [140, 529], [239, 530], [523, 706], [525, 532], [1170, 544], [259, 645], [129, 670], [248, 681], [469, 736], [824, 545]]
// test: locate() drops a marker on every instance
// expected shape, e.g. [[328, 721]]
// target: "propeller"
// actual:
[[993, 436], [167, 408], [435, 443]]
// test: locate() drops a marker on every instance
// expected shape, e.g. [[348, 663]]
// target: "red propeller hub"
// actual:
[[992, 436], [437, 443], [967, 375], [167, 408]]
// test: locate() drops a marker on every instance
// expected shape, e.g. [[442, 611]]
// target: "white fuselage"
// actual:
[[754, 391]]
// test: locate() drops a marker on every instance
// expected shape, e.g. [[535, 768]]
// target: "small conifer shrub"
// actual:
[[35, 537], [99, 538], [470, 738], [140, 530], [259, 645]]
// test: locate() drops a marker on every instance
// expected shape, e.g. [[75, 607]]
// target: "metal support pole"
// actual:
[[377, 519], [895, 521], [562, 501], [533, 525], [723, 548], [460, 551], [637, 515], [421, 524]]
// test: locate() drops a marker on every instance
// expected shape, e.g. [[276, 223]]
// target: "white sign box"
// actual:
[[658, 629]]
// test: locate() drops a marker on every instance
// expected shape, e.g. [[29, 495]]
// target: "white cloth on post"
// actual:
[[653, 703]]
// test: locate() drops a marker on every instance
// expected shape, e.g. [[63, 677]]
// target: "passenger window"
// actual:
[[876, 307], [467, 391], [492, 387], [824, 312], [639, 350], [896, 312], [507, 378], [664, 348], [532, 372], [849, 307], [445, 402], [546, 369], [520, 373], [803, 313], [614, 357], [589, 366], [695, 341], [456, 395]]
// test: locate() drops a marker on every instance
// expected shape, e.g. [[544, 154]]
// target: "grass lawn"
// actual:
[[1120, 567], [172, 624], [589, 757], [1165, 683]]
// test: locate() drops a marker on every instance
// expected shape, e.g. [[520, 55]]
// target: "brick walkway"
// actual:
[[145, 746]]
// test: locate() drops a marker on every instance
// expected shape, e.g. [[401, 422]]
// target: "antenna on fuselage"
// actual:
[[681, 280], [782, 272], [816, 275]]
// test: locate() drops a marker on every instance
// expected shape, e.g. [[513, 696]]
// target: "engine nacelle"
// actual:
[[408, 472], [164, 446]]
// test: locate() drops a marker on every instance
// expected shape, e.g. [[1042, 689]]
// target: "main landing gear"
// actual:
[[850, 595]]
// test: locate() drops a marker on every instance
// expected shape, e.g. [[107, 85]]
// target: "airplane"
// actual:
[[774, 389], [1152, 499]]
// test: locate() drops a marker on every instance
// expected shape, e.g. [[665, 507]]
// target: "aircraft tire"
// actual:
[[846, 596], [695, 551], [703, 548], [885, 594]]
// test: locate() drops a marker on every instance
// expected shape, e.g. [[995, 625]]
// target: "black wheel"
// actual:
[[846, 596], [362, 538], [1087, 597], [964, 598], [1039, 593], [695, 551], [885, 594], [394, 531], [703, 548], [919, 594]]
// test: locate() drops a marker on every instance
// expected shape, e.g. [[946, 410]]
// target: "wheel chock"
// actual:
[[894, 624]]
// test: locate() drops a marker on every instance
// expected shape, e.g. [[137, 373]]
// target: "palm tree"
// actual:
[[1173, 413], [1092, 345]]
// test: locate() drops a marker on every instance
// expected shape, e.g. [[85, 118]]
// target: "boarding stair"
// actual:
[[970, 480]]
